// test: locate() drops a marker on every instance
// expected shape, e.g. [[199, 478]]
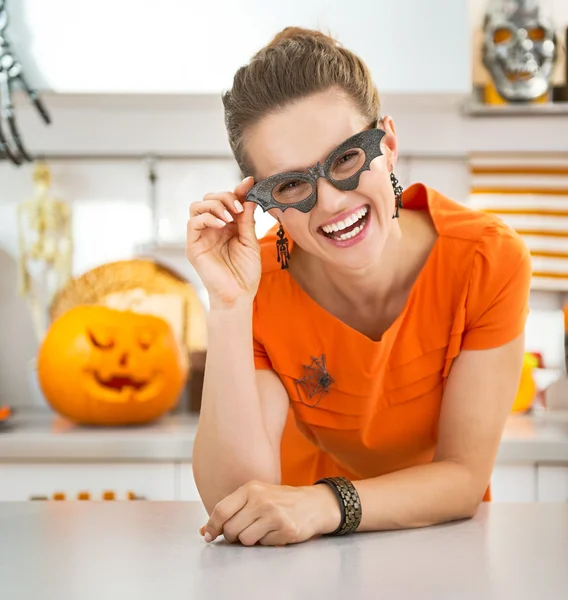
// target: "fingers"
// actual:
[[222, 207], [275, 538], [207, 220], [197, 224], [256, 531], [234, 531], [219, 208], [226, 205], [245, 221], [242, 189], [212, 212], [246, 226], [231, 201], [247, 218], [225, 510], [242, 521], [284, 531]]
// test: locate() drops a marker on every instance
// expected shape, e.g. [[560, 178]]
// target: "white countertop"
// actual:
[[531, 438], [151, 550], [42, 435], [36, 435]]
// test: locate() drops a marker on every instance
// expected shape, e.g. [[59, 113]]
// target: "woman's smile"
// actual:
[[347, 229]]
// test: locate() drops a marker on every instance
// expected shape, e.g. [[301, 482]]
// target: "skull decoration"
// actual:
[[519, 49]]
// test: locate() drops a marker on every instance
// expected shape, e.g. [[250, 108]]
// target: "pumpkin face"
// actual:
[[100, 366]]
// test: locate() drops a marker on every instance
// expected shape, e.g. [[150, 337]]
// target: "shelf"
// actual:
[[473, 107], [550, 285]]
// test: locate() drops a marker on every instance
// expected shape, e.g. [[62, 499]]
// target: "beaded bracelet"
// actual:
[[349, 504]]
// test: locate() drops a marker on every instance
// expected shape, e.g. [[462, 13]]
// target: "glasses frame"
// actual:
[[368, 140]]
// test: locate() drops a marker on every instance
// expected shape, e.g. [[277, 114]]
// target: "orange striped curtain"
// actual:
[[529, 192]]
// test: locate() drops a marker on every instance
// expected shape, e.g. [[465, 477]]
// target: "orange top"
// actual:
[[381, 402]]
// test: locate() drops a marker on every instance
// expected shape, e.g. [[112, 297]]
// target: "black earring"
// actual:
[[397, 194], [282, 250]]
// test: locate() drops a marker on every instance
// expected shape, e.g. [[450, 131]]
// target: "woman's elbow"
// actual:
[[468, 494], [472, 499]]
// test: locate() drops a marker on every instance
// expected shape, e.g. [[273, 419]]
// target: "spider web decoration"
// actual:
[[315, 382]]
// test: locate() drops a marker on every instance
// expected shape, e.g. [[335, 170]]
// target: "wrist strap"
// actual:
[[349, 504]]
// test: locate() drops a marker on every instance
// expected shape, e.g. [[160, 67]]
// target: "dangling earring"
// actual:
[[397, 194], [282, 251]]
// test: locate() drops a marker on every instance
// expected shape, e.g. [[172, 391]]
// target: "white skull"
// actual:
[[519, 49]]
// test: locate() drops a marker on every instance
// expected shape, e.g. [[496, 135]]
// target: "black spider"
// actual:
[[315, 382]]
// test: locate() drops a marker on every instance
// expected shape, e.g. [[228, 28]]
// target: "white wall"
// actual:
[[176, 46]]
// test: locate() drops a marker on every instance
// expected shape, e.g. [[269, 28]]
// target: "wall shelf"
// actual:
[[559, 286], [474, 107]]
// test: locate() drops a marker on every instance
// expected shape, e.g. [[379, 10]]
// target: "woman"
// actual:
[[372, 344]]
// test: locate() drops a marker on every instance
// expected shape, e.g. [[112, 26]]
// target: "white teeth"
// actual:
[[348, 236], [350, 220]]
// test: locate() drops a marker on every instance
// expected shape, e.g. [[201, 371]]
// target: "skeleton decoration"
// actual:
[[519, 49], [46, 248]]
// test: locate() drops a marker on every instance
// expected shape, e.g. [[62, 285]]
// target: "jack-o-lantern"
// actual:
[[100, 366]]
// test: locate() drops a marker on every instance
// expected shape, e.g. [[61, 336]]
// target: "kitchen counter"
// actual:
[[41, 435], [541, 437], [150, 550], [34, 435]]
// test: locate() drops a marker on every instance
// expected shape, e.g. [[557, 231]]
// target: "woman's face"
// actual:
[[347, 228]]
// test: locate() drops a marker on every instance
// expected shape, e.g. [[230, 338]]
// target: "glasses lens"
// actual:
[[347, 164], [291, 190]]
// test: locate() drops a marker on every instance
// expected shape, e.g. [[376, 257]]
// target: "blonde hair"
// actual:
[[295, 64]]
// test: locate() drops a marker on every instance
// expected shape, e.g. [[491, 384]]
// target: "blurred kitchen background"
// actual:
[[136, 133]]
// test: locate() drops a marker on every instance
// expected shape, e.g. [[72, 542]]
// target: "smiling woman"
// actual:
[[372, 344]]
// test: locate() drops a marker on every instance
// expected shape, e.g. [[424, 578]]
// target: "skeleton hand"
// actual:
[[11, 72]]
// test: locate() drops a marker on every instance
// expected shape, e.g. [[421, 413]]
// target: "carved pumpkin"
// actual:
[[100, 366]]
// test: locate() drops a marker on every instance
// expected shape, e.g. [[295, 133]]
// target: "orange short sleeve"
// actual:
[[498, 299], [261, 359]]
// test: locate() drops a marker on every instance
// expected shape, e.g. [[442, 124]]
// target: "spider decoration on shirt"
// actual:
[[315, 382]]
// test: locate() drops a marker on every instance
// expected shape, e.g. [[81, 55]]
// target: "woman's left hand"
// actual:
[[273, 515]]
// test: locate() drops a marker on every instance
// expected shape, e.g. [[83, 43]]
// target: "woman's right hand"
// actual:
[[222, 245]]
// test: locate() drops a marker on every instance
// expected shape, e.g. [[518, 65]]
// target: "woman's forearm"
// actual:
[[419, 496], [231, 445]]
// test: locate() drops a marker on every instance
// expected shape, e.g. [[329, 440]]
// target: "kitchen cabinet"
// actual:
[[514, 483], [553, 483], [187, 487], [530, 483], [23, 481], [148, 481], [103, 46]]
